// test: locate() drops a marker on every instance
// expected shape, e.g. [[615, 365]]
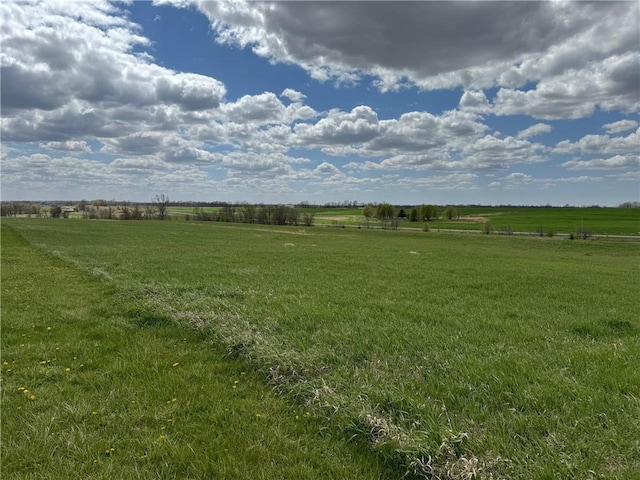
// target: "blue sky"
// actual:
[[480, 102]]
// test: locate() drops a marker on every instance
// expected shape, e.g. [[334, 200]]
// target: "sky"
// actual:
[[458, 102]]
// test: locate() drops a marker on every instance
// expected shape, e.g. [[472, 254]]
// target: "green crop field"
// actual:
[[565, 220], [452, 356]]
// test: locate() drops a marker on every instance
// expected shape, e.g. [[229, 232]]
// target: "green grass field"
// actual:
[[450, 355], [94, 388]]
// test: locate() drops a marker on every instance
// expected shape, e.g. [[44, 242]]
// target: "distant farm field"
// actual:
[[452, 355], [545, 220]]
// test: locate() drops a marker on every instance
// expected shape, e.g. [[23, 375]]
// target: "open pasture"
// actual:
[[452, 355], [93, 388]]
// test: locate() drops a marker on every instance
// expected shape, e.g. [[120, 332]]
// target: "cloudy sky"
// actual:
[[407, 102]]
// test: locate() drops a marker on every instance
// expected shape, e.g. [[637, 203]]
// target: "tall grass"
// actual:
[[451, 355]]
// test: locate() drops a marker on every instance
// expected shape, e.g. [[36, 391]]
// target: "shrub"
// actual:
[[487, 228], [426, 227]]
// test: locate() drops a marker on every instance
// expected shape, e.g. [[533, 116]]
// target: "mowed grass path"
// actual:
[[93, 389], [453, 355]]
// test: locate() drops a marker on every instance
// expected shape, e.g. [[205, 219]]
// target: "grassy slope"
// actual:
[[514, 357], [121, 394]]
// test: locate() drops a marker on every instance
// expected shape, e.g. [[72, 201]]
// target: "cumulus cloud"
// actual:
[[78, 81], [611, 84], [532, 131], [616, 162], [475, 101], [601, 144], [512, 42], [70, 69], [293, 95], [620, 126], [79, 146], [340, 128]]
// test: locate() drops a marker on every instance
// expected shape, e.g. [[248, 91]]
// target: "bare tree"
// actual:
[[161, 202], [248, 212]]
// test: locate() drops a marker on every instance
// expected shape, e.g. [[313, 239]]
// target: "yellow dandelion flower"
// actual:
[[48, 328], [25, 391], [94, 413], [32, 397], [20, 389], [5, 363], [258, 415], [297, 417], [175, 364], [162, 437], [67, 369]]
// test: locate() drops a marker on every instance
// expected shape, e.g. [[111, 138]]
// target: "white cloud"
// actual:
[[513, 42], [620, 126], [534, 130], [611, 84], [616, 162], [69, 70], [69, 146], [293, 95], [519, 177], [602, 144], [475, 101], [340, 128]]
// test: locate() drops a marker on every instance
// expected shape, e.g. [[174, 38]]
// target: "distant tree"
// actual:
[[55, 211], [228, 213], [308, 219], [263, 215], [402, 213], [451, 213], [629, 205], [248, 213], [150, 212], [367, 212], [385, 213], [34, 209], [292, 216], [428, 213], [161, 202], [81, 205], [413, 215]]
